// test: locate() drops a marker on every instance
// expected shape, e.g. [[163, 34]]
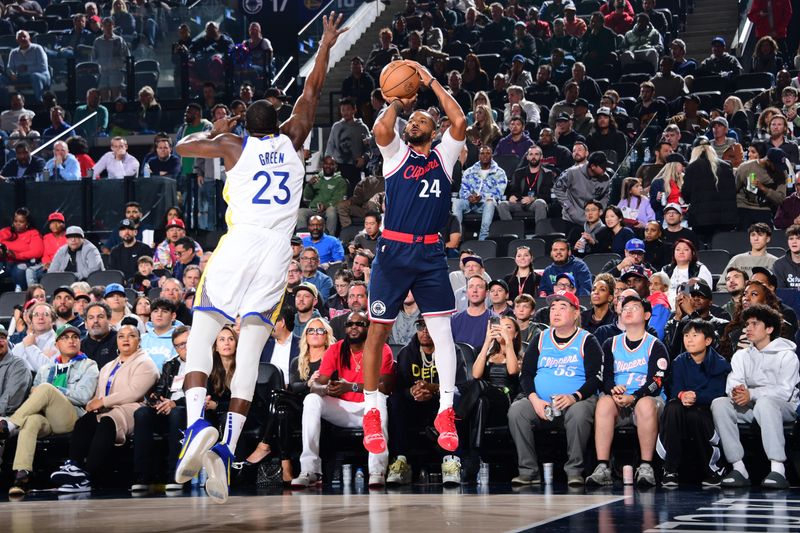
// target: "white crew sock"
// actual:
[[12, 427], [739, 467], [370, 400], [195, 404], [233, 428], [777, 466], [445, 358]]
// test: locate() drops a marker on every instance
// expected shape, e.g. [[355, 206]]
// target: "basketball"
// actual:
[[399, 80]]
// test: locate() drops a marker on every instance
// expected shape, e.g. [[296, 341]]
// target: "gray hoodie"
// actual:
[[88, 260], [15, 380], [771, 372], [575, 187]]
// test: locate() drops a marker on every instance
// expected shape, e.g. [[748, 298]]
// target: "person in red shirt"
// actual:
[[337, 395], [619, 20], [20, 245], [771, 17], [52, 242], [608, 7]]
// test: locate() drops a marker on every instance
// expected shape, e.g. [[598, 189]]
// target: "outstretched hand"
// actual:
[[224, 125], [331, 30]]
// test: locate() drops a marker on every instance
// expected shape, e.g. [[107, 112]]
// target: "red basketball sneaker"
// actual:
[[374, 440], [445, 424]]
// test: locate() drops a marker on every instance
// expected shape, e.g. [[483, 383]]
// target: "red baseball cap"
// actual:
[[176, 223], [56, 216], [564, 296]]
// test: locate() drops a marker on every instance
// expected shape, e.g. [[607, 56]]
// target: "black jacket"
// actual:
[[523, 182], [102, 351], [710, 204], [408, 369], [164, 383], [673, 332], [126, 260]]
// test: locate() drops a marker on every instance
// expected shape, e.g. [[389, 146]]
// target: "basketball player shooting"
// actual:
[[246, 275], [410, 254]]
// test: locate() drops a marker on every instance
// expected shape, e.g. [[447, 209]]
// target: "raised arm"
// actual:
[[453, 111], [219, 142], [300, 123]]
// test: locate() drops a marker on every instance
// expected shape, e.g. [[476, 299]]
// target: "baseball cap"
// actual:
[[66, 328], [306, 286], [718, 40], [176, 223], [274, 92], [720, 120], [112, 288], [144, 259], [634, 270], [30, 303], [772, 278], [564, 296], [598, 159], [74, 231], [126, 223], [520, 23], [700, 287], [675, 157], [634, 245], [519, 57], [3, 331], [603, 111], [693, 97], [569, 277], [673, 205], [469, 258], [499, 282], [581, 102], [563, 116], [95, 18], [83, 296], [296, 241], [777, 157], [56, 216], [64, 288]]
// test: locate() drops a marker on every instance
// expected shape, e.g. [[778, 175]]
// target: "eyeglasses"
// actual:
[[421, 326], [69, 337], [40, 315], [341, 285], [309, 259], [180, 345], [294, 271], [360, 324], [631, 308], [317, 331], [563, 286]]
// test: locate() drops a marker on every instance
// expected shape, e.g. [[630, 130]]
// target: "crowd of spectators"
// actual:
[[644, 172]]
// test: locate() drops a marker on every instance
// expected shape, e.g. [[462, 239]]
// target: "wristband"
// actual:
[[431, 83], [575, 395]]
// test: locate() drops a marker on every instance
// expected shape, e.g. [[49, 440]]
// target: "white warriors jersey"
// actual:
[[264, 188]]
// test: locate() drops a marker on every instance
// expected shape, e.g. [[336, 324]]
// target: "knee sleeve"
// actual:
[[206, 325], [253, 337]]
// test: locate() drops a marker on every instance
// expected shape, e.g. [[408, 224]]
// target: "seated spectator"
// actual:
[[78, 256], [552, 387], [524, 306], [475, 79], [342, 401], [482, 186], [14, 384], [16, 108], [698, 378], [530, 189], [619, 20], [63, 166], [498, 298], [586, 237], [642, 42], [164, 162], [73, 44], [357, 301], [723, 144], [693, 301], [315, 340], [638, 278], [484, 127], [58, 125], [149, 111], [565, 263], [760, 234], [61, 390], [615, 235], [675, 228], [117, 163], [37, 347], [690, 119], [337, 302], [309, 264], [367, 239], [100, 343], [210, 50], [186, 255], [516, 143], [414, 404], [635, 366], [654, 247], [606, 136], [517, 75], [564, 134], [523, 280], [563, 41], [117, 302], [95, 434], [79, 148], [156, 342], [720, 63], [173, 290], [361, 266], [27, 64], [684, 265], [516, 95], [665, 189], [636, 210], [164, 413], [366, 198], [469, 265], [785, 268], [469, 325], [761, 187], [602, 297], [404, 328], [382, 54], [24, 165], [667, 83], [20, 246], [553, 154], [254, 59], [165, 255], [23, 132], [306, 297], [760, 388], [63, 305], [191, 277], [324, 192], [329, 248], [111, 51], [51, 241]]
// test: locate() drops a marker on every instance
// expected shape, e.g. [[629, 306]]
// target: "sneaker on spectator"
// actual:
[[68, 473], [645, 476], [601, 476], [575, 481], [306, 479], [6, 433], [174, 486], [198, 439], [712, 480], [376, 480], [445, 424], [399, 472], [21, 481], [374, 441], [525, 479], [82, 485], [451, 470], [140, 487], [669, 479], [217, 463]]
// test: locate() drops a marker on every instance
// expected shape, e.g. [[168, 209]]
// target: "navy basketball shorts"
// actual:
[[399, 267]]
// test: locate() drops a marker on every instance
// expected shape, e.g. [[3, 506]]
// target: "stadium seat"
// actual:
[[53, 280], [626, 89], [154, 293], [8, 300], [491, 47], [105, 277], [132, 296], [349, 233], [715, 260], [777, 251], [507, 227], [710, 83], [499, 267], [455, 63], [735, 242], [595, 262], [754, 80], [87, 76], [469, 354], [508, 163], [58, 10], [779, 239], [453, 264], [485, 249], [720, 298], [710, 99], [537, 246], [541, 262], [490, 63]]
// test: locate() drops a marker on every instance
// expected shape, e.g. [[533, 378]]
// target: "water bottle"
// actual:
[[483, 474], [634, 157], [146, 170], [646, 154], [347, 475], [90, 173], [359, 479], [46, 175]]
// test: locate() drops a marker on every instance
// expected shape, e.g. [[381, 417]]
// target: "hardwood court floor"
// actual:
[[301, 512]]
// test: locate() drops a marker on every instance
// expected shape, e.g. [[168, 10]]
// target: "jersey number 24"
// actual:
[[430, 189], [284, 193]]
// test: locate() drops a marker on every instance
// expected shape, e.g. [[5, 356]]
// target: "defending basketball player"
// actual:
[[246, 276], [410, 254]]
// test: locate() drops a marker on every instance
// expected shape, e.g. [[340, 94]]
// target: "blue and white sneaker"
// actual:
[[197, 440], [218, 462], [68, 473], [79, 485]]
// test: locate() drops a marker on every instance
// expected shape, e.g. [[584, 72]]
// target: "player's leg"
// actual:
[[253, 337], [200, 436]]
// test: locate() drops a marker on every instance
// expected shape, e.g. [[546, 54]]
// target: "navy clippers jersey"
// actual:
[[417, 186]]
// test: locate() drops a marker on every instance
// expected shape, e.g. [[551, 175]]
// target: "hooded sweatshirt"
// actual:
[[661, 312], [576, 267], [787, 272], [25, 246], [768, 373], [159, 347], [15, 380], [707, 379], [575, 187]]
